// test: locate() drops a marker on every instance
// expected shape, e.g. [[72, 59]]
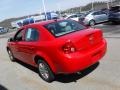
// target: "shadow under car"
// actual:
[[68, 77]]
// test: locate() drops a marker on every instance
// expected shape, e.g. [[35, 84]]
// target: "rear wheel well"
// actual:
[[36, 59], [45, 66]]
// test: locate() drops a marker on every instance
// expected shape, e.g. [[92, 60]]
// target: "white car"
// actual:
[[73, 17]]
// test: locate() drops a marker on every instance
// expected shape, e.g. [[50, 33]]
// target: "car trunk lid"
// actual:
[[84, 39]]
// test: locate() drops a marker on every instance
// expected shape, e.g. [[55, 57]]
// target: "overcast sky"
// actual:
[[16, 8]]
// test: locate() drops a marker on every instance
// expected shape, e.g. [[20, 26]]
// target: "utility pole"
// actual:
[[108, 4], [43, 2], [111, 2], [92, 5], [59, 9], [80, 9]]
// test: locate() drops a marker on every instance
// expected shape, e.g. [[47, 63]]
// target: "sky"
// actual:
[[17, 8]]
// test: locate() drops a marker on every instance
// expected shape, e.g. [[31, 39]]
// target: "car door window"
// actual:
[[19, 36], [103, 13], [96, 13], [73, 16], [31, 34]]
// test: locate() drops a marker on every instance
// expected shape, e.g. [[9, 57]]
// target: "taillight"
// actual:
[[68, 47]]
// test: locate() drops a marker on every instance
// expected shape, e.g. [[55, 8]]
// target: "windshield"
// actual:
[[64, 27]]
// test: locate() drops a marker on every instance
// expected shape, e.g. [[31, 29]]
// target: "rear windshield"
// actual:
[[64, 27]]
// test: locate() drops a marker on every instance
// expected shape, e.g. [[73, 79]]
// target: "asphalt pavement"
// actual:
[[104, 75]]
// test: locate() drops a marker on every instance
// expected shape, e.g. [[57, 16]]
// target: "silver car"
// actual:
[[94, 17]]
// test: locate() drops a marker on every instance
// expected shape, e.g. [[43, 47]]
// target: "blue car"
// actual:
[[3, 30], [114, 14]]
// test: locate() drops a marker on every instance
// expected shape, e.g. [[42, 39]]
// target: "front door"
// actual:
[[29, 45], [15, 45]]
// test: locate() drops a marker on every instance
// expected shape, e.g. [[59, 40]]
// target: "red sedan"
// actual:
[[57, 46]]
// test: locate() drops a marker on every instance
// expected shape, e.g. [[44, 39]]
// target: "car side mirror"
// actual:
[[11, 39], [18, 39]]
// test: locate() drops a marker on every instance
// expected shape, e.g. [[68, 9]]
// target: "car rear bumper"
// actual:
[[80, 60]]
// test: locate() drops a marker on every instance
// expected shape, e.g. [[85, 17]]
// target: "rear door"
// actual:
[[99, 16], [104, 16]]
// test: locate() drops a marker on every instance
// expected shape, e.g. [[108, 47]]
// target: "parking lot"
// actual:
[[101, 76]]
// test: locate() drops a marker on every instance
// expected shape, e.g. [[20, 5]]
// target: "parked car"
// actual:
[[74, 16], [94, 17], [114, 14], [3, 30], [57, 46]]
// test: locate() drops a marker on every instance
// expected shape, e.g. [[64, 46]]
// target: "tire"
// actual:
[[12, 58], [44, 71], [92, 22]]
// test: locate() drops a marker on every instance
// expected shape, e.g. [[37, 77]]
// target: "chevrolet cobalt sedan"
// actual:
[[94, 17], [57, 46]]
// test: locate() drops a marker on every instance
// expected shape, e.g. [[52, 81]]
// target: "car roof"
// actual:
[[45, 22], [42, 23], [95, 11]]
